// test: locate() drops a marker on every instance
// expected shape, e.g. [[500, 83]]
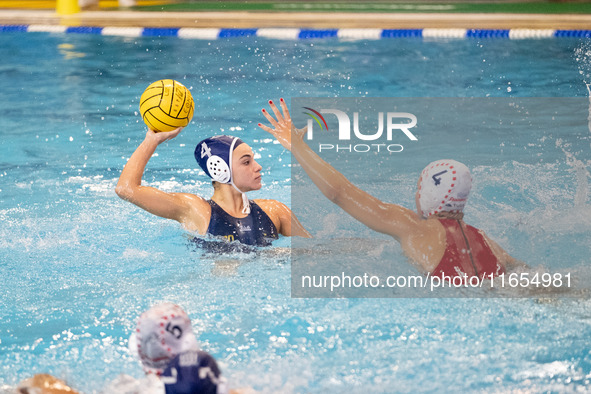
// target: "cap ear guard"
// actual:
[[218, 169], [214, 156]]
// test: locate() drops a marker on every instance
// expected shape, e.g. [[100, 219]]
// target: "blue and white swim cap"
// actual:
[[194, 372], [214, 156], [444, 186]]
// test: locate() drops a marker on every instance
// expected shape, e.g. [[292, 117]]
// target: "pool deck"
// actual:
[[249, 19], [394, 14]]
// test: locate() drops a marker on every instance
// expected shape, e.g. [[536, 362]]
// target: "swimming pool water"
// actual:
[[79, 264]]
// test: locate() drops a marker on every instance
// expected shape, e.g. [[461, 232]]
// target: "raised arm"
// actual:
[[390, 219], [177, 206]]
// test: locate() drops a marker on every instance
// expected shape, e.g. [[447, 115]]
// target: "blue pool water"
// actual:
[[79, 265]]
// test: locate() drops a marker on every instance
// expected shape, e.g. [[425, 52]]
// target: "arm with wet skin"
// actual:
[[175, 206], [390, 219]]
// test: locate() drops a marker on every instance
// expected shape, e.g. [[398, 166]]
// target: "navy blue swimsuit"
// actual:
[[256, 229]]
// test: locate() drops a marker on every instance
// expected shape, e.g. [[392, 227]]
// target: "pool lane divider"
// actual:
[[295, 34]]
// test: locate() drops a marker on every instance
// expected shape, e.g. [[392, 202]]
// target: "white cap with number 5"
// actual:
[[162, 332]]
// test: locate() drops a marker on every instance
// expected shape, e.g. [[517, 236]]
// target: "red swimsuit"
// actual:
[[466, 253]]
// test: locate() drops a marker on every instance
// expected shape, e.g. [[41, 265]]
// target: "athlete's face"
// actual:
[[245, 170]]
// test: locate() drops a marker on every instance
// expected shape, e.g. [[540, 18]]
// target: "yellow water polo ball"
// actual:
[[166, 105]]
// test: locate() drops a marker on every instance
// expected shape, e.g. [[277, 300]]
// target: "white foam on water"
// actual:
[[131, 253]]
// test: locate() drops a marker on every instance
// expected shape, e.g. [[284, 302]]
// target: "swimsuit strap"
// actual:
[[468, 247]]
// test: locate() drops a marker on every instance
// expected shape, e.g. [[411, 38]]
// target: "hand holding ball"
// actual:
[[166, 105]]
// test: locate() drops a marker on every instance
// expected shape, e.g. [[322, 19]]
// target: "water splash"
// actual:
[[581, 171], [583, 58], [582, 185], [589, 117]]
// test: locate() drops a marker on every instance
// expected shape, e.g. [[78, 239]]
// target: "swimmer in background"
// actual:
[[196, 372], [231, 164], [44, 384], [164, 343], [161, 333], [435, 238]]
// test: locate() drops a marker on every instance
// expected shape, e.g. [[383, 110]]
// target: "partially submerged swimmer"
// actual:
[[44, 384], [195, 372], [435, 238], [164, 343], [230, 163], [162, 332]]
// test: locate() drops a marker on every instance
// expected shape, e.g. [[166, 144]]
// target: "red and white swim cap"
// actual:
[[444, 186], [162, 332]]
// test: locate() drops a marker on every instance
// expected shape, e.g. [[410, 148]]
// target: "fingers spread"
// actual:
[[266, 128], [276, 111], [285, 110], [270, 118]]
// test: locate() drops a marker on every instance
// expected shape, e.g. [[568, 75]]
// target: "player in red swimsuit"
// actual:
[[435, 237]]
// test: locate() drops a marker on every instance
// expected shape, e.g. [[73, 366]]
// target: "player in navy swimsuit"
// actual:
[[255, 229], [228, 213]]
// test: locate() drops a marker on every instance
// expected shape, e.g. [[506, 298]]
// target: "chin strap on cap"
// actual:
[[245, 203], [214, 156]]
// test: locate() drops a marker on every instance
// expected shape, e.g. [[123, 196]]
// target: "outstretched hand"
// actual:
[[282, 126], [163, 136]]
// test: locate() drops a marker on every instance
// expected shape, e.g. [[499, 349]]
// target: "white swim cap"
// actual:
[[444, 186], [162, 332]]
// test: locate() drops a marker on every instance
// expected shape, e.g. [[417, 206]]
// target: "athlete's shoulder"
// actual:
[[196, 212], [191, 199], [475, 229], [279, 214], [271, 205], [398, 221]]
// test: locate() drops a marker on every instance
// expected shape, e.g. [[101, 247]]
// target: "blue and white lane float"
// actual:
[[301, 34]]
